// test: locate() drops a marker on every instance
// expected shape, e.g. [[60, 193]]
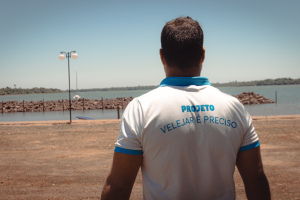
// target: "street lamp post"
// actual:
[[62, 57]]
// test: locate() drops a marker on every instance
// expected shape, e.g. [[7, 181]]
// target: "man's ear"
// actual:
[[203, 54], [162, 57]]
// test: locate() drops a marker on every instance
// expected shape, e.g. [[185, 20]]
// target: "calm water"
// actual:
[[288, 98]]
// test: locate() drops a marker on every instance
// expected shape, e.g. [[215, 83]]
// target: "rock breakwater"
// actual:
[[248, 98], [63, 105]]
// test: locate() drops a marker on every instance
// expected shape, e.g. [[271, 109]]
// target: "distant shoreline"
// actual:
[[33, 93], [267, 82]]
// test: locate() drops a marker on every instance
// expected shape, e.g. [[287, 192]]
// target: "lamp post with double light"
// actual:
[[62, 57]]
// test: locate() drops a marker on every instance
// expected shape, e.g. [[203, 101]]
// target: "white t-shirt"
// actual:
[[189, 134]]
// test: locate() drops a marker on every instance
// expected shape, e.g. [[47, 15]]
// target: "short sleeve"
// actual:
[[131, 127], [250, 138]]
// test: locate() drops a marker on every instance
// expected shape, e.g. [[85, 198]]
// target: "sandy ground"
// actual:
[[56, 160]]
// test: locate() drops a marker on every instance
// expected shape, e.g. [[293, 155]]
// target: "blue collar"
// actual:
[[184, 81]]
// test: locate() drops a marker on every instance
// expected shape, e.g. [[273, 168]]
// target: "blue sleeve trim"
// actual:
[[128, 151], [250, 146]]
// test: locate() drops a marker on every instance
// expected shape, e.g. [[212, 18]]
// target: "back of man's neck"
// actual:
[[175, 72]]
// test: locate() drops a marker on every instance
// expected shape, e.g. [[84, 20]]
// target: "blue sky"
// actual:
[[118, 41]]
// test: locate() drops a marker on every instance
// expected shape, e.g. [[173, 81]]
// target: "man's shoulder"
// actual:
[[166, 91], [155, 93], [152, 94], [224, 95], [175, 93]]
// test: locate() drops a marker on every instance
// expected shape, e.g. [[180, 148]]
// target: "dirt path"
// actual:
[[55, 160]]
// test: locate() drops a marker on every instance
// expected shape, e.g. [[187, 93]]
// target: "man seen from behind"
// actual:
[[186, 135]]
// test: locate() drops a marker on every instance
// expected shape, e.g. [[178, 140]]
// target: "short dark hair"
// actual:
[[182, 43]]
